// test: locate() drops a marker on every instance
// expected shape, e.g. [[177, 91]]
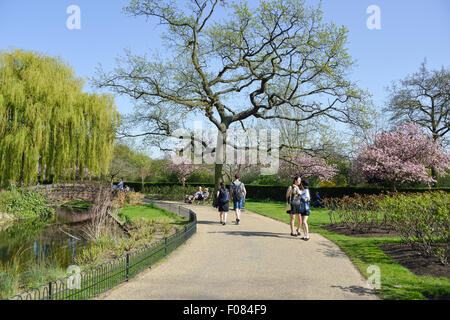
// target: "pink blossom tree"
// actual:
[[403, 156], [183, 168], [306, 166]]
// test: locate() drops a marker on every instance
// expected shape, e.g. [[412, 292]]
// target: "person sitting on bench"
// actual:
[[205, 196], [318, 202], [197, 196]]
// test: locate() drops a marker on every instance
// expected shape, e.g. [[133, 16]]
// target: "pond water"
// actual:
[[58, 242]]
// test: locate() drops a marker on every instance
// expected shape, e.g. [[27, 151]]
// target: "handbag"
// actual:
[[288, 207]]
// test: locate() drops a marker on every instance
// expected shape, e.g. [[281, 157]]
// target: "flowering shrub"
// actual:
[[422, 220], [359, 213]]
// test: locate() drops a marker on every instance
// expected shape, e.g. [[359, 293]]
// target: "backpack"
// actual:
[[295, 198], [223, 196], [238, 191]]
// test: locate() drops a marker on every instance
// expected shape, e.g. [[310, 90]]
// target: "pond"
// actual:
[[58, 242]]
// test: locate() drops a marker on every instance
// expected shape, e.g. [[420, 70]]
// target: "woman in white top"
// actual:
[[305, 209]]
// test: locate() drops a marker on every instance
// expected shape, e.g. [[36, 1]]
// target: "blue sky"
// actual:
[[410, 31]]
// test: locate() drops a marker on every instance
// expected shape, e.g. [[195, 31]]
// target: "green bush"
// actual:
[[126, 198], [422, 220], [90, 256], [24, 203], [143, 230], [37, 274], [8, 284]]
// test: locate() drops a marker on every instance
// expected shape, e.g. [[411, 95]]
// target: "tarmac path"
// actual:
[[257, 259]]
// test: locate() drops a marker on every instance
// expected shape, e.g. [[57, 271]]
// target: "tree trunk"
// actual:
[[220, 158], [433, 170], [21, 170], [218, 175], [434, 176]]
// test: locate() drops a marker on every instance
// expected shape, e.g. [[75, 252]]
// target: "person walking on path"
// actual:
[[222, 202], [237, 193], [305, 208], [293, 196]]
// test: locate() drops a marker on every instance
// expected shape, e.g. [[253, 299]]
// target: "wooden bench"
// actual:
[[190, 199]]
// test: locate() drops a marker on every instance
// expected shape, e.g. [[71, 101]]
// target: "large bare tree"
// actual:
[[424, 98], [230, 67]]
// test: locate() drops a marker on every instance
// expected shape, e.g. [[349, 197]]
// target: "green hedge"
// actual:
[[278, 193], [137, 186]]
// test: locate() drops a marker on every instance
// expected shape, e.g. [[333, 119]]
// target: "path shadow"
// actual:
[[361, 291], [207, 222], [256, 234], [330, 250]]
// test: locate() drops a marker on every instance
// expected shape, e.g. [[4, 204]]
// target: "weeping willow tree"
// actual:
[[49, 128]]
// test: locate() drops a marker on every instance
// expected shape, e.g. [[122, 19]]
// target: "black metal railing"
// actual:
[[94, 281]]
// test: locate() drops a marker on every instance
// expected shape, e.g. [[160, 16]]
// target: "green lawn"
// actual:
[[151, 212], [79, 204], [397, 282], [277, 211]]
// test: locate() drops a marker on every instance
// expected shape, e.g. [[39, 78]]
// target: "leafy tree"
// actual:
[[405, 155], [130, 163], [144, 164], [121, 164], [201, 176], [49, 128], [247, 65]]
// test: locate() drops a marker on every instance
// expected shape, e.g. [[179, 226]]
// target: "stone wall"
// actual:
[[68, 192]]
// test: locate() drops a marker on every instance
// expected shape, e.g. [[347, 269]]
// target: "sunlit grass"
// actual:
[[151, 212], [78, 204]]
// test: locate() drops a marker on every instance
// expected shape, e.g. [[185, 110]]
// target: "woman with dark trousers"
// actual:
[[293, 196], [223, 203]]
